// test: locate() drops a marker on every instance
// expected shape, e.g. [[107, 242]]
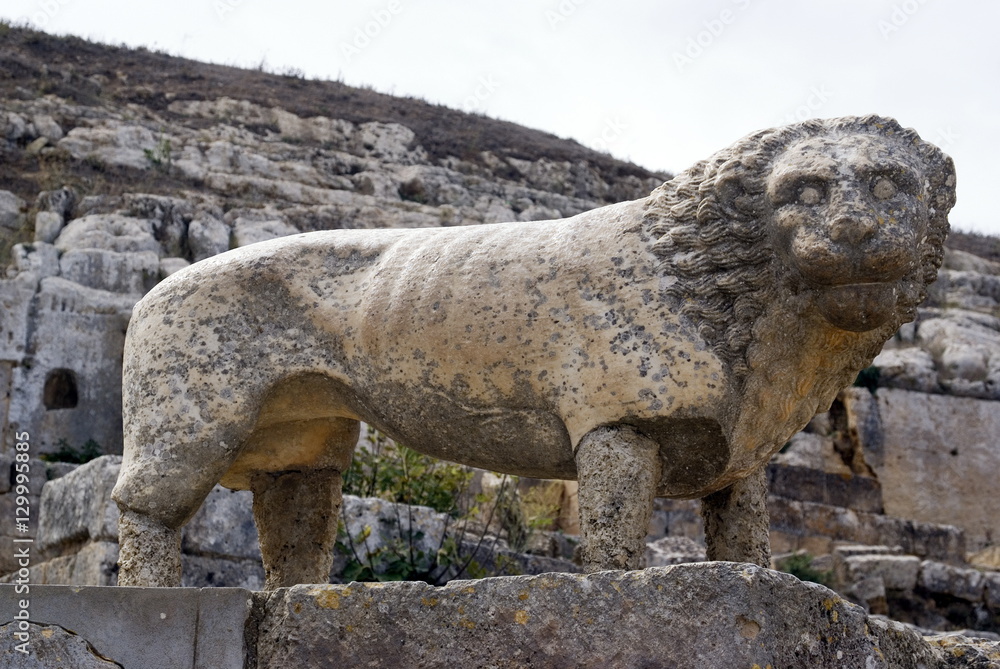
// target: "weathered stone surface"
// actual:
[[223, 527], [250, 232], [48, 646], [966, 262], [673, 550], [811, 485], [11, 210], [198, 571], [799, 521], [704, 615], [809, 450], [110, 232], [80, 330], [907, 369], [15, 297], [48, 225], [40, 259], [966, 584], [959, 651], [941, 461], [77, 508], [111, 141], [47, 127], [432, 293], [897, 572], [158, 628], [208, 237], [991, 590], [128, 273], [966, 351], [170, 265]]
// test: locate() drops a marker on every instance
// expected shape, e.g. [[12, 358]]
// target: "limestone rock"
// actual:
[[77, 508], [109, 232], [111, 141], [941, 461], [39, 259], [60, 201], [937, 577], [250, 232], [49, 646], [966, 351], [208, 237], [704, 615], [966, 262], [170, 265], [907, 369], [11, 210], [223, 527], [47, 127], [48, 224], [673, 550], [897, 572], [128, 273]]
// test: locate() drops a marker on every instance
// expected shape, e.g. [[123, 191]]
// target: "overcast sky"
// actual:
[[662, 83]]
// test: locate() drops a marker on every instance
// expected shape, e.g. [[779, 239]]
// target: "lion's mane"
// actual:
[[710, 226]]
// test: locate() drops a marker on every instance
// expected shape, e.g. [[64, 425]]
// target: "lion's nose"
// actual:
[[852, 228]]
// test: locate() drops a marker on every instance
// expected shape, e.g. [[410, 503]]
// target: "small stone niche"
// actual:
[[60, 390]]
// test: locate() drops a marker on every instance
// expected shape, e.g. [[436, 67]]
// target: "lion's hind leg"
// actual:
[[297, 507]]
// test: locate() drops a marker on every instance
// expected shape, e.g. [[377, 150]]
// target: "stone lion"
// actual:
[[662, 347]]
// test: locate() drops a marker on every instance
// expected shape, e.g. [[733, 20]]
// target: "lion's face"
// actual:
[[849, 215]]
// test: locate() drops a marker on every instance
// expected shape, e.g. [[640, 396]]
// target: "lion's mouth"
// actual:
[[857, 307]]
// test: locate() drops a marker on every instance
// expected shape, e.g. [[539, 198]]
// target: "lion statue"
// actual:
[[667, 346]]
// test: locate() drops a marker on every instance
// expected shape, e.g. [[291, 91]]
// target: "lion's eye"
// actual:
[[884, 188], [810, 195]]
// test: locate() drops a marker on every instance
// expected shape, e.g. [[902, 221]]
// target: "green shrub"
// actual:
[[800, 566], [386, 470], [66, 453]]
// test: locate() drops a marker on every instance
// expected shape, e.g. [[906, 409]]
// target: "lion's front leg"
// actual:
[[737, 524], [618, 470]]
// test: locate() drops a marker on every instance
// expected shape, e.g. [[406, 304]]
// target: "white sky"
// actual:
[[662, 83]]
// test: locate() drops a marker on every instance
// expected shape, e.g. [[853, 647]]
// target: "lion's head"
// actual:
[[850, 213]]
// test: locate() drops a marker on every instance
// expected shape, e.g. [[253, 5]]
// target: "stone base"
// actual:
[[714, 614]]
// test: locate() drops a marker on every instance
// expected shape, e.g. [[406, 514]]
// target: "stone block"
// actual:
[[48, 646], [673, 550], [812, 485], [130, 273], [108, 232], [48, 225], [11, 210], [794, 518], [223, 527], [96, 563], [712, 614], [250, 232], [77, 508], [40, 259], [897, 572], [15, 303], [152, 628], [945, 579], [211, 572], [208, 237], [991, 590], [170, 265], [941, 461]]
